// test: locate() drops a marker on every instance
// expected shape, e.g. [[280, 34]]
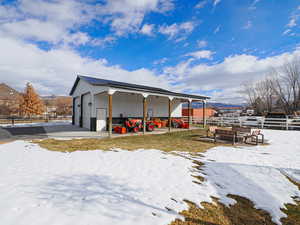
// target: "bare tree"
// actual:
[[248, 89], [264, 89], [280, 89], [287, 86]]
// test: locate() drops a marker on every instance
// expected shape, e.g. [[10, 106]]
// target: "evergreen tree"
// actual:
[[31, 104]]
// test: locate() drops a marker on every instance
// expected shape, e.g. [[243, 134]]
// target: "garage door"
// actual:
[[86, 114], [76, 110]]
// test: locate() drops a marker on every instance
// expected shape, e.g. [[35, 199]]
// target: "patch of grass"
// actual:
[[293, 214], [182, 141], [292, 210], [216, 213], [241, 213]]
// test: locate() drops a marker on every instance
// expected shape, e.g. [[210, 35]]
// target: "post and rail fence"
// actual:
[[287, 123], [12, 120]]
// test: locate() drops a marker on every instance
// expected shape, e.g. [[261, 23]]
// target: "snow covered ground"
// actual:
[[40, 187], [257, 173]]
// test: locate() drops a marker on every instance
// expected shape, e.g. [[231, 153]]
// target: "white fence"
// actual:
[[287, 123]]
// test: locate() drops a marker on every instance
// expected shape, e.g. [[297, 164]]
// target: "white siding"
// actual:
[[82, 88], [160, 106], [131, 105]]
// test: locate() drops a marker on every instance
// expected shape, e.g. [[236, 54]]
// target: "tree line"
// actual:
[[279, 90], [29, 104]]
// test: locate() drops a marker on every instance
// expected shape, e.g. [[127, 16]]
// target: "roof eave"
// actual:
[[74, 85], [169, 93]]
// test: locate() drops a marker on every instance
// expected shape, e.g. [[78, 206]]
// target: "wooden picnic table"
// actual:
[[243, 134]]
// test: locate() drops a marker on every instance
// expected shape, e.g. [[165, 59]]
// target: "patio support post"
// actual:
[[189, 113], [170, 113], [144, 113], [81, 111], [109, 114], [204, 111], [73, 112]]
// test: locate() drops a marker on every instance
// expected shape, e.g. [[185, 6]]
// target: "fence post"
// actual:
[[241, 122], [287, 123], [221, 121], [262, 123]]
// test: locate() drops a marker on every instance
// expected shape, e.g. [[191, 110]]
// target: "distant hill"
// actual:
[[7, 92], [51, 97], [196, 105]]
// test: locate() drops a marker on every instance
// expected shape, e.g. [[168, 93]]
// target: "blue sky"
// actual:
[[205, 47]]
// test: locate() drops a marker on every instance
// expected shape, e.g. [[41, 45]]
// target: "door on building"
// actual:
[[86, 114], [150, 113], [101, 116], [76, 110]]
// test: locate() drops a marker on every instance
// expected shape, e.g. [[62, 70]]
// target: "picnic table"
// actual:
[[246, 135]]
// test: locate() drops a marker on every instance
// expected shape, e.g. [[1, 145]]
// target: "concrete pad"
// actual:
[[67, 131], [4, 134]]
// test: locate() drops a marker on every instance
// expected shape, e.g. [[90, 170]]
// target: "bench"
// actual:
[[225, 134], [254, 136], [211, 130], [242, 129]]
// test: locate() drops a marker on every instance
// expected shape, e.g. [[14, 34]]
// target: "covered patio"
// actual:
[[99, 104]]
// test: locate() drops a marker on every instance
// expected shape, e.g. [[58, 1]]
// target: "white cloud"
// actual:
[[201, 4], [55, 70], [55, 21], [127, 16], [248, 25], [292, 22], [201, 43], [147, 29], [176, 31], [50, 21], [217, 29], [104, 41], [34, 29], [160, 61], [203, 54], [287, 31], [227, 75], [8, 13], [253, 4], [216, 2], [294, 17]]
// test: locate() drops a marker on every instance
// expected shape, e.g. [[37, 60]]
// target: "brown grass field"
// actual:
[[187, 141]]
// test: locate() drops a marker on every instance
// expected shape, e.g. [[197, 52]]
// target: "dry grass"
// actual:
[[292, 210], [181, 141], [241, 213]]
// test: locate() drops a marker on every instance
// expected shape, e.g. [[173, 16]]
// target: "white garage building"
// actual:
[[99, 103]]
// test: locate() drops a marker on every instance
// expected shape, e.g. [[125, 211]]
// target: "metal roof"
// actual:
[[134, 87]]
